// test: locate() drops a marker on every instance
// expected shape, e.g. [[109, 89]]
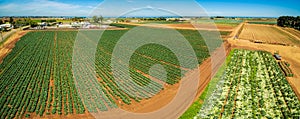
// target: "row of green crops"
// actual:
[[263, 22], [231, 22], [253, 87], [286, 70], [36, 77]]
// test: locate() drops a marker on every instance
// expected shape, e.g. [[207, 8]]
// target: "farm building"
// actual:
[[6, 27], [64, 26], [178, 19]]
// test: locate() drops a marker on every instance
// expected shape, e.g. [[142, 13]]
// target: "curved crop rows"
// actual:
[[36, 77], [286, 70]]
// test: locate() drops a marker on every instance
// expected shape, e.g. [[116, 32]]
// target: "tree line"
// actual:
[[289, 21], [19, 22]]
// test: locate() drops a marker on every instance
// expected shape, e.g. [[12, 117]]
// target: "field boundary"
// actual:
[[283, 30]]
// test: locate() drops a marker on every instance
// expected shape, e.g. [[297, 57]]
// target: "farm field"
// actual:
[[267, 34], [293, 32], [263, 22], [37, 78], [188, 26], [221, 27], [229, 22], [253, 86]]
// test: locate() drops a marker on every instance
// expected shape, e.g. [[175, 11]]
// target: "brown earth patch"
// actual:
[[189, 26], [221, 27], [268, 34]]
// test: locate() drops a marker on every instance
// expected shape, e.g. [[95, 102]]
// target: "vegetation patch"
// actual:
[[253, 87], [36, 77]]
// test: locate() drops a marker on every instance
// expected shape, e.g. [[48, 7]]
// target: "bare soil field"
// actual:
[[294, 32], [221, 27], [201, 26], [267, 34]]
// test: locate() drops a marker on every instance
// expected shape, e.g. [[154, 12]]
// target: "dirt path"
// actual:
[[236, 31], [7, 34], [9, 44]]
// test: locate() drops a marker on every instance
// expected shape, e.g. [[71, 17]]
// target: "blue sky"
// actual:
[[266, 8]]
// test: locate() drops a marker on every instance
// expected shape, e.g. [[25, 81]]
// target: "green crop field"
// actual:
[[230, 22], [253, 86], [263, 22], [36, 77]]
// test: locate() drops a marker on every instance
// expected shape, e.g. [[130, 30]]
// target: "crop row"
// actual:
[[38, 75], [287, 71]]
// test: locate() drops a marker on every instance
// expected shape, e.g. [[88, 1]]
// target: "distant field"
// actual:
[[293, 31], [183, 26], [64, 21], [263, 22], [229, 22], [267, 34], [160, 22]]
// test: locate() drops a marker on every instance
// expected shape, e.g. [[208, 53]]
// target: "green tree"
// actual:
[[33, 24], [95, 19], [289, 21], [101, 18], [11, 20], [297, 22]]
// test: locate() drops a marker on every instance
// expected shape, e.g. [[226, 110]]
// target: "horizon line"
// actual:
[[225, 16]]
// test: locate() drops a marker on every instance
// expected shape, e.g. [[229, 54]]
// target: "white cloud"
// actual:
[[44, 7]]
